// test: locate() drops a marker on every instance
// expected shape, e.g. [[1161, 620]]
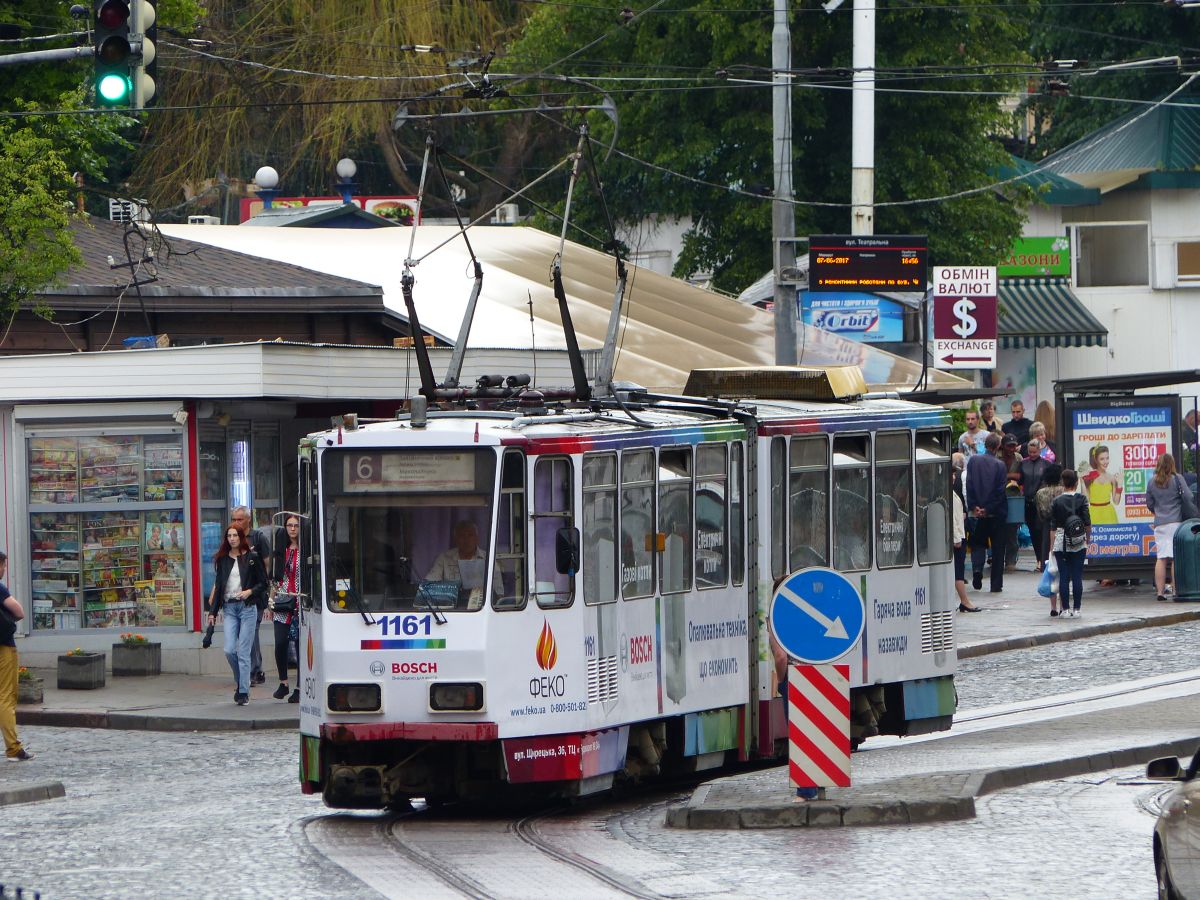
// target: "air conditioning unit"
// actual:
[[506, 214], [128, 210], [203, 220]]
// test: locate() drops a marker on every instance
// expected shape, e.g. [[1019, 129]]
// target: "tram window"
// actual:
[[778, 509], [510, 533], [712, 559], [737, 504], [893, 500], [637, 524], [675, 518], [808, 501], [552, 484], [934, 520], [396, 525], [851, 504], [599, 528]]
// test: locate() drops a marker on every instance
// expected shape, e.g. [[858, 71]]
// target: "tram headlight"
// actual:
[[354, 698], [456, 696]]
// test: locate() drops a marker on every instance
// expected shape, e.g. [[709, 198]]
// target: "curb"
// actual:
[[846, 813], [32, 793], [984, 648], [134, 722]]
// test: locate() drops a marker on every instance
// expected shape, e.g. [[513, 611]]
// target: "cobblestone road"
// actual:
[[219, 815]]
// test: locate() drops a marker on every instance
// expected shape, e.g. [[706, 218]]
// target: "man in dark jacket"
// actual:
[[986, 477], [261, 544], [1018, 425], [1033, 467]]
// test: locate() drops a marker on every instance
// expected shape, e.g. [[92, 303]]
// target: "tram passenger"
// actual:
[[449, 566], [285, 607]]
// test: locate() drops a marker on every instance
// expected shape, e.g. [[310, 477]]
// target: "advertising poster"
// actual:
[[167, 596], [857, 316], [1115, 449]]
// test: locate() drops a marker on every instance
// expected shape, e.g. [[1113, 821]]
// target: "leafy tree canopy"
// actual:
[[940, 67]]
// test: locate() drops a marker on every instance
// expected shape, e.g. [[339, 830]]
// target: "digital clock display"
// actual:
[[895, 262]]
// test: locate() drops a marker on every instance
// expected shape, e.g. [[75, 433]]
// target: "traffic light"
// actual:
[[145, 65], [114, 54], [125, 53]]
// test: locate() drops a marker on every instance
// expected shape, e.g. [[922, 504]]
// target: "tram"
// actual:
[[546, 597]]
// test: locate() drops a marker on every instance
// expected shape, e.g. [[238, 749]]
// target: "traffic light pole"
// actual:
[[37, 56]]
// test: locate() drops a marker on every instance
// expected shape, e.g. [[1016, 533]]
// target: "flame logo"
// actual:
[[310, 651], [547, 648]]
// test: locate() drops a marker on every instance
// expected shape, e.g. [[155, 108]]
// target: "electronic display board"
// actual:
[[867, 262]]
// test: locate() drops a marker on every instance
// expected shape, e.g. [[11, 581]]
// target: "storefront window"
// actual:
[[107, 538]]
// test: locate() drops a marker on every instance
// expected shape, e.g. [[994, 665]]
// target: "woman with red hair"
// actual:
[[240, 591]]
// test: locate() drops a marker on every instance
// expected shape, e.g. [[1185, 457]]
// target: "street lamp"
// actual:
[[267, 180], [346, 170]]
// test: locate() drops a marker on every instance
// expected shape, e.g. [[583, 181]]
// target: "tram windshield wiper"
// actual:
[[420, 594]]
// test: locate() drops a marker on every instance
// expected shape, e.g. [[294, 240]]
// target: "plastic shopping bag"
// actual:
[[1048, 585], [1052, 565]]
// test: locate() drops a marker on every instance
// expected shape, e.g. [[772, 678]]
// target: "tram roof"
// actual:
[[671, 326]]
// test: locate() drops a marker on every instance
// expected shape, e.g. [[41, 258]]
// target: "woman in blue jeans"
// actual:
[[1070, 558], [239, 589]]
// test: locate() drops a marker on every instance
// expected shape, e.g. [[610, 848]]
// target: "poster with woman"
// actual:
[[1115, 445]]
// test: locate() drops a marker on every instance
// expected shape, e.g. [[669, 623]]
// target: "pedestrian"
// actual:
[[987, 417], [240, 586], [265, 549], [1032, 469], [986, 477], [1011, 457], [959, 504], [1044, 501], [1164, 498], [1044, 414], [285, 606], [1070, 534], [1038, 430], [11, 612], [970, 442], [1018, 426]]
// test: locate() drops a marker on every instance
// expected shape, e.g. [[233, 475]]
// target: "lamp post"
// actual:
[[267, 180], [346, 170]]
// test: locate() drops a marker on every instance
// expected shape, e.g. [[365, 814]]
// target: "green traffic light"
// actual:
[[113, 88]]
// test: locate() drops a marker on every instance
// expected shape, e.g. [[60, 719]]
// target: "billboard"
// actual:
[[402, 209], [857, 316], [1115, 444], [1034, 257]]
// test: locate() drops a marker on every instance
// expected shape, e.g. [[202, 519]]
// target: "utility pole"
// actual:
[[783, 217], [862, 142]]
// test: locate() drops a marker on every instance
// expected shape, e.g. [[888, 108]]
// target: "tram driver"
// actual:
[[465, 563]]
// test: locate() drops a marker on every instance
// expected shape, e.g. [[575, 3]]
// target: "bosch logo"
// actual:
[[377, 668], [414, 668], [641, 649]]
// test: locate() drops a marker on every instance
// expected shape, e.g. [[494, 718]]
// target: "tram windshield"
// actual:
[[408, 530]]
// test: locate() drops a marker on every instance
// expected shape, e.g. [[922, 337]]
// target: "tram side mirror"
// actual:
[[566, 551]]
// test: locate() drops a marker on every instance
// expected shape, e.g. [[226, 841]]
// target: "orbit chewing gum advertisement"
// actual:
[[1116, 449]]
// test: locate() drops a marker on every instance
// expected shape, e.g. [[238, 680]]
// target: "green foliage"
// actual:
[[927, 144]]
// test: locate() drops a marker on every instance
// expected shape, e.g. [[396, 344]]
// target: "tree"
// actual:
[[1110, 34], [710, 125]]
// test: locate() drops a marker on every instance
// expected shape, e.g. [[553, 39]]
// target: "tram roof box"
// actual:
[[778, 383]]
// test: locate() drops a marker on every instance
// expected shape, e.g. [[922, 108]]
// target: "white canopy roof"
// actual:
[[671, 326]]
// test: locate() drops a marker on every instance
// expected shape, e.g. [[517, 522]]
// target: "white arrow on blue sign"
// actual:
[[817, 615]]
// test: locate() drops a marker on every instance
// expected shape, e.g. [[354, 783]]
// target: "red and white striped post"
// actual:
[[819, 726]]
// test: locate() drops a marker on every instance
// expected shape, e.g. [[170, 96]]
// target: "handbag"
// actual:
[[1186, 500], [284, 603]]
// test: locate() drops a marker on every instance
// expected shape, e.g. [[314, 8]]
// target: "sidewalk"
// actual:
[[936, 787]]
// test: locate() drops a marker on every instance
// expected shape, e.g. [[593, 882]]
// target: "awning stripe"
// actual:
[[1043, 312]]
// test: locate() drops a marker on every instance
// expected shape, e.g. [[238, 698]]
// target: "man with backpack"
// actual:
[[1070, 534], [986, 502]]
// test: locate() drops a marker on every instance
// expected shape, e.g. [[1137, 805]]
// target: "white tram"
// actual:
[[610, 621]]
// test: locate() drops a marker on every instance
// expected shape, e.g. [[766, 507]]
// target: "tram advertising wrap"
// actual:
[[1114, 445]]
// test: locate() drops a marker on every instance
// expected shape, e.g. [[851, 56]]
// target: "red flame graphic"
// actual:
[[547, 648]]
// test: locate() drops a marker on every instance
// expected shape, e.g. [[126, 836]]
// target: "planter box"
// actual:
[[136, 659], [30, 691], [81, 673]]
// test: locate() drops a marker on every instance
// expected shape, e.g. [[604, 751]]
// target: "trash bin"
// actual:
[[1016, 509], [1187, 560]]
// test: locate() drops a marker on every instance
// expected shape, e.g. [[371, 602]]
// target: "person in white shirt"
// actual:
[[465, 563]]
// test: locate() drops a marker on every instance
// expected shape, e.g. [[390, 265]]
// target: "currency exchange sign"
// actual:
[[965, 326]]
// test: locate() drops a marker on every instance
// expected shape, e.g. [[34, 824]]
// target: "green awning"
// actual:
[[1043, 312]]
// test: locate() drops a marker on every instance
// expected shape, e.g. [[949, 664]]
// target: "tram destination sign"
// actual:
[[866, 262]]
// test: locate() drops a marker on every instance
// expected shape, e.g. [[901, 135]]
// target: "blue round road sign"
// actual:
[[817, 615]]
